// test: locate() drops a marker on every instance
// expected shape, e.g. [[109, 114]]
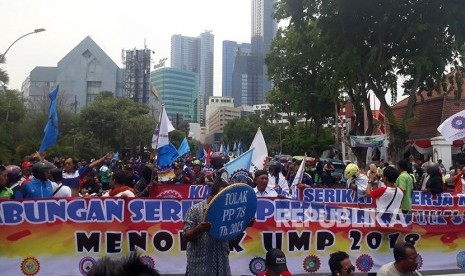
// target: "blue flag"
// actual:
[[239, 149], [115, 157], [167, 155], [199, 153], [184, 147], [242, 162], [51, 129]]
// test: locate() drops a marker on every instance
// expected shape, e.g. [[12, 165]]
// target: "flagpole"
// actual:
[[343, 136], [158, 136]]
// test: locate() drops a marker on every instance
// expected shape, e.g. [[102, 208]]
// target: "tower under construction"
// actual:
[[137, 74]]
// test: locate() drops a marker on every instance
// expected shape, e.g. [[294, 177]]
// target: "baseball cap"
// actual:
[[276, 260], [26, 164]]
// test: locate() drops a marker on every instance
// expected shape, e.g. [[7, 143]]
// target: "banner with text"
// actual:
[[446, 203], [67, 236]]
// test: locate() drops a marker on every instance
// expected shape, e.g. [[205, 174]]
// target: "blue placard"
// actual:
[[230, 211]]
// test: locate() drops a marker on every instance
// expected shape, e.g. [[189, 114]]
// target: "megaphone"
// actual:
[[231, 155]]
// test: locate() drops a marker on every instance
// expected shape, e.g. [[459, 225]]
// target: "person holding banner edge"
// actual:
[[205, 255]]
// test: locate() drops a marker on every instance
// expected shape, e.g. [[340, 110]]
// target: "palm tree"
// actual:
[[3, 74]]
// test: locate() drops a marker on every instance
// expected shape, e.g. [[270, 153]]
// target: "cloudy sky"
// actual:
[[113, 25]]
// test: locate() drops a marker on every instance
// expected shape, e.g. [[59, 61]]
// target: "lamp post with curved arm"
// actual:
[[9, 47], [2, 57]]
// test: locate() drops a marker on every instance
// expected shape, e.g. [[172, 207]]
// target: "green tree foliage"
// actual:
[[117, 123], [106, 124], [371, 45], [240, 130], [279, 138], [12, 111], [4, 78]]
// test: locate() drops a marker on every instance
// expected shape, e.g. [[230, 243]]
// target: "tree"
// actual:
[[370, 45], [239, 130], [117, 123], [12, 111], [3, 74], [295, 66]]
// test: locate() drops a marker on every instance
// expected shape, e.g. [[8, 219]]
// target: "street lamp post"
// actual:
[[2, 57], [33, 32]]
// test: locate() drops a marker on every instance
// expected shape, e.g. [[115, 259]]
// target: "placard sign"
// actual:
[[230, 211]]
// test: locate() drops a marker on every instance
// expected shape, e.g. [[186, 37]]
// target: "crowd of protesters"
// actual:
[[134, 177], [390, 184]]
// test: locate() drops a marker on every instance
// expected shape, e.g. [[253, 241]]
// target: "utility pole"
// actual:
[[336, 126]]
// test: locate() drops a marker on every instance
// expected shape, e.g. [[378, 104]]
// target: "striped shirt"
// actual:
[[205, 255]]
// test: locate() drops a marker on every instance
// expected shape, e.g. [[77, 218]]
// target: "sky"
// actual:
[[114, 26]]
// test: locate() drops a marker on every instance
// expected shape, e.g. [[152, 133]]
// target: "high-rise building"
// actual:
[[178, 90], [185, 53], [195, 54], [230, 51], [249, 79], [242, 79], [137, 74], [264, 28]]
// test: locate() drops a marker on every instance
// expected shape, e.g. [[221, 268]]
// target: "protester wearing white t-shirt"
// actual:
[[389, 198], [59, 190]]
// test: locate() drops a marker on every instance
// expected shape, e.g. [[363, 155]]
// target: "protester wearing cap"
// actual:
[[261, 181], [26, 167], [39, 186], [340, 264], [276, 264], [197, 175]]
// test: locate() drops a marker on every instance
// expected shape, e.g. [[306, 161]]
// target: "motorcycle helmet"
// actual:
[[351, 171]]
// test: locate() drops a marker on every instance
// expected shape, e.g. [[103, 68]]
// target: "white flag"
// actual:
[[165, 128], [260, 153], [453, 128], [298, 176], [300, 173]]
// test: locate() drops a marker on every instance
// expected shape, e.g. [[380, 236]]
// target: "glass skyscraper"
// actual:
[[195, 54], [250, 83], [264, 28], [230, 51], [178, 90]]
